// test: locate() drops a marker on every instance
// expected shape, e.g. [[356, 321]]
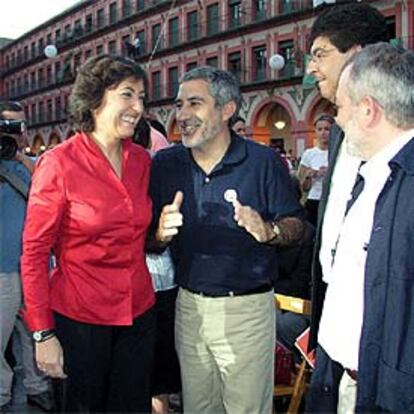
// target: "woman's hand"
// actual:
[[49, 358]]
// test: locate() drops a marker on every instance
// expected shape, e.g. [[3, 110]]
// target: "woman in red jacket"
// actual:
[[93, 318]]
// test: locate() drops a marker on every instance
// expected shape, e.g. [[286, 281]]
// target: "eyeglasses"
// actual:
[[320, 54]]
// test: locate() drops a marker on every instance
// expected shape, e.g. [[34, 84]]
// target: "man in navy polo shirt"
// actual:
[[222, 202]]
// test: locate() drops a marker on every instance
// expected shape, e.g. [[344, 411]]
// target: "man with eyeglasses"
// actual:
[[336, 35], [13, 210]]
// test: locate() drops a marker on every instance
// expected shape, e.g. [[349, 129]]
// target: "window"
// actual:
[[173, 32], [77, 61], [41, 112], [259, 63], [190, 65], [33, 114], [58, 36], [212, 61], [33, 49], [33, 80], [88, 23], [140, 4], [48, 74], [155, 33], [26, 83], [68, 32], [234, 64], [260, 9], [112, 47], [40, 46], [212, 19], [99, 50], [126, 8], [19, 57], [112, 13], [390, 21], [141, 36], [287, 51], [235, 13], [49, 39], [18, 87], [192, 26], [124, 43], [67, 68], [77, 28], [49, 110], [100, 18], [156, 85], [58, 108], [40, 78], [172, 81], [58, 72], [26, 53], [88, 54], [289, 6]]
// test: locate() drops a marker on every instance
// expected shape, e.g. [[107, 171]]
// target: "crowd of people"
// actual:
[[149, 269]]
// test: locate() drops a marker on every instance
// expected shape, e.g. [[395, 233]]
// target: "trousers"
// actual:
[[225, 347]]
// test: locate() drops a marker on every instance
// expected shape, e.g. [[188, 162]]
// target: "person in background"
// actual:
[[313, 166], [12, 328], [238, 125], [293, 278], [93, 318]]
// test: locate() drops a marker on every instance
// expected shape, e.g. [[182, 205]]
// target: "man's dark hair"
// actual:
[[237, 119], [349, 25], [10, 106], [324, 117], [94, 77]]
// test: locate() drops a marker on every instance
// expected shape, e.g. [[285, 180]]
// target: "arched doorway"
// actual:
[[54, 139], [38, 146], [272, 126]]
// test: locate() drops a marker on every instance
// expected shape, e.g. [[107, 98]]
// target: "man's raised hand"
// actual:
[[170, 219]]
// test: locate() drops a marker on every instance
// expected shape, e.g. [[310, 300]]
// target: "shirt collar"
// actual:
[[391, 154], [235, 153]]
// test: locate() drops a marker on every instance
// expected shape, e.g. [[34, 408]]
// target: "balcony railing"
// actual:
[[221, 24]]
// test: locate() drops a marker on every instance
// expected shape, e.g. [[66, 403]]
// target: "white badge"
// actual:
[[230, 195]]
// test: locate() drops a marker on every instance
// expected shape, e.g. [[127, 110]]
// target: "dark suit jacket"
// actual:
[[336, 137]]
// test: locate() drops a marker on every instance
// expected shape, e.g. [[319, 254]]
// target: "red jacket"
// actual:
[[96, 225]]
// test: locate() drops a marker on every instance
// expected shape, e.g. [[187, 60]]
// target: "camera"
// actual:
[[8, 144]]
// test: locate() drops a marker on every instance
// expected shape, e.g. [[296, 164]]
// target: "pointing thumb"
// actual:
[[178, 200]]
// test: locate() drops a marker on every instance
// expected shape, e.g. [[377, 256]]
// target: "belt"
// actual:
[[259, 289], [352, 373]]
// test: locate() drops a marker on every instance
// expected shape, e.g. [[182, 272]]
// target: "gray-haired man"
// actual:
[[222, 202]]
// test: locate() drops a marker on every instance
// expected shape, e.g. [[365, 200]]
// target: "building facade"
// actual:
[[169, 37]]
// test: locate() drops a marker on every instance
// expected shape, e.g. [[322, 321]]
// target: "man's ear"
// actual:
[[228, 110], [371, 112]]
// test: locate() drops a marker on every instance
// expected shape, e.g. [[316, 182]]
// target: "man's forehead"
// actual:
[[194, 86], [321, 42]]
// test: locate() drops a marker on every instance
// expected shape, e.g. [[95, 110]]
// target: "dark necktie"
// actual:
[[356, 191]]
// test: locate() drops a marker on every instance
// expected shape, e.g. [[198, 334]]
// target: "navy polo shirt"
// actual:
[[212, 253]]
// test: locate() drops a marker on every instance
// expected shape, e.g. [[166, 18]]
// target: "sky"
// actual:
[[19, 16]]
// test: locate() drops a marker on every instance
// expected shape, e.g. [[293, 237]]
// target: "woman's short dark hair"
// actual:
[[94, 77]]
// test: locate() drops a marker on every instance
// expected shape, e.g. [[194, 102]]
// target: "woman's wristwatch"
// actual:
[[42, 336]]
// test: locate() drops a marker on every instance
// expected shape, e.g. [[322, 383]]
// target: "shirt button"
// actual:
[[207, 180]]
